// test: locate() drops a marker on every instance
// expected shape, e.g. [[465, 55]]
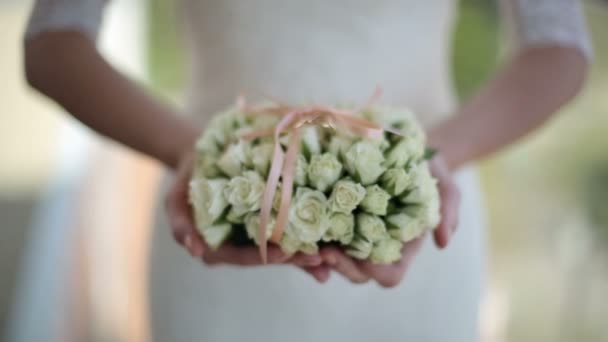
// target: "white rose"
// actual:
[[371, 227], [386, 251], [423, 186], [261, 156], [346, 196], [216, 234], [289, 243], [323, 171], [365, 162], [311, 140], [222, 127], [403, 226], [341, 228], [339, 144], [309, 248], [207, 199], [245, 192], [406, 149], [308, 215], [234, 160], [252, 225], [359, 248]]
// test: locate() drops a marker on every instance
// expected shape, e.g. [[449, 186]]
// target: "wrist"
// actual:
[[181, 144], [448, 146], [442, 150]]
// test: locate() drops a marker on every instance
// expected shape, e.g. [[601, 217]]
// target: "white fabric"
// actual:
[[327, 51], [548, 22], [537, 22], [54, 15]]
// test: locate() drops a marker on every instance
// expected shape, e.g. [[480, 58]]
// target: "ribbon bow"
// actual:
[[283, 163]]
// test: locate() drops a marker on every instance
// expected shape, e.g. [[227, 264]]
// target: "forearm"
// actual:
[[521, 97], [67, 67]]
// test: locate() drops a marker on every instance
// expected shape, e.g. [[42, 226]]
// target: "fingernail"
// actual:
[[446, 240], [188, 245]]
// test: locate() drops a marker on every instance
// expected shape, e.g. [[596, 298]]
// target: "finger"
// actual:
[[450, 203], [242, 256], [305, 260], [392, 275], [178, 208], [344, 265], [180, 213], [194, 244], [320, 273], [410, 250]]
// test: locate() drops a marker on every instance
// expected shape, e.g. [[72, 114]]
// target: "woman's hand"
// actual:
[[391, 275], [184, 232]]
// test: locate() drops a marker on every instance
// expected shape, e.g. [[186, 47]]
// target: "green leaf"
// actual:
[[429, 153]]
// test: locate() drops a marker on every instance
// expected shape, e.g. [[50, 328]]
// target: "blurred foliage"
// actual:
[[596, 195], [165, 62], [475, 45], [574, 144]]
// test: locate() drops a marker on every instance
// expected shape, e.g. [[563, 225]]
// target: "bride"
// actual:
[[328, 52]]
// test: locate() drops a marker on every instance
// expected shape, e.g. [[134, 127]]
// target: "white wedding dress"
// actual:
[[327, 52]]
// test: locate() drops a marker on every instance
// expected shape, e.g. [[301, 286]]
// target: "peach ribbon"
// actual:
[[283, 163]]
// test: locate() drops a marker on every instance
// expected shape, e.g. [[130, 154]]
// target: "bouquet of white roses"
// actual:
[[368, 194]]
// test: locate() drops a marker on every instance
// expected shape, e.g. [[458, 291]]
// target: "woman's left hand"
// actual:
[[183, 228], [391, 275]]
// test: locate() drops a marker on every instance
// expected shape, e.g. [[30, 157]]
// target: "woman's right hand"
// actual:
[[184, 232], [391, 275]]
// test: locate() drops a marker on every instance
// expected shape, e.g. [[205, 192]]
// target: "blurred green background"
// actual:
[[547, 198], [547, 195]]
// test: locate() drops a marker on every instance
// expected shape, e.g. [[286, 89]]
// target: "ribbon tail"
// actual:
[[241, 102], [271, 188], [372, 99], [287, 187], [360, 126]]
